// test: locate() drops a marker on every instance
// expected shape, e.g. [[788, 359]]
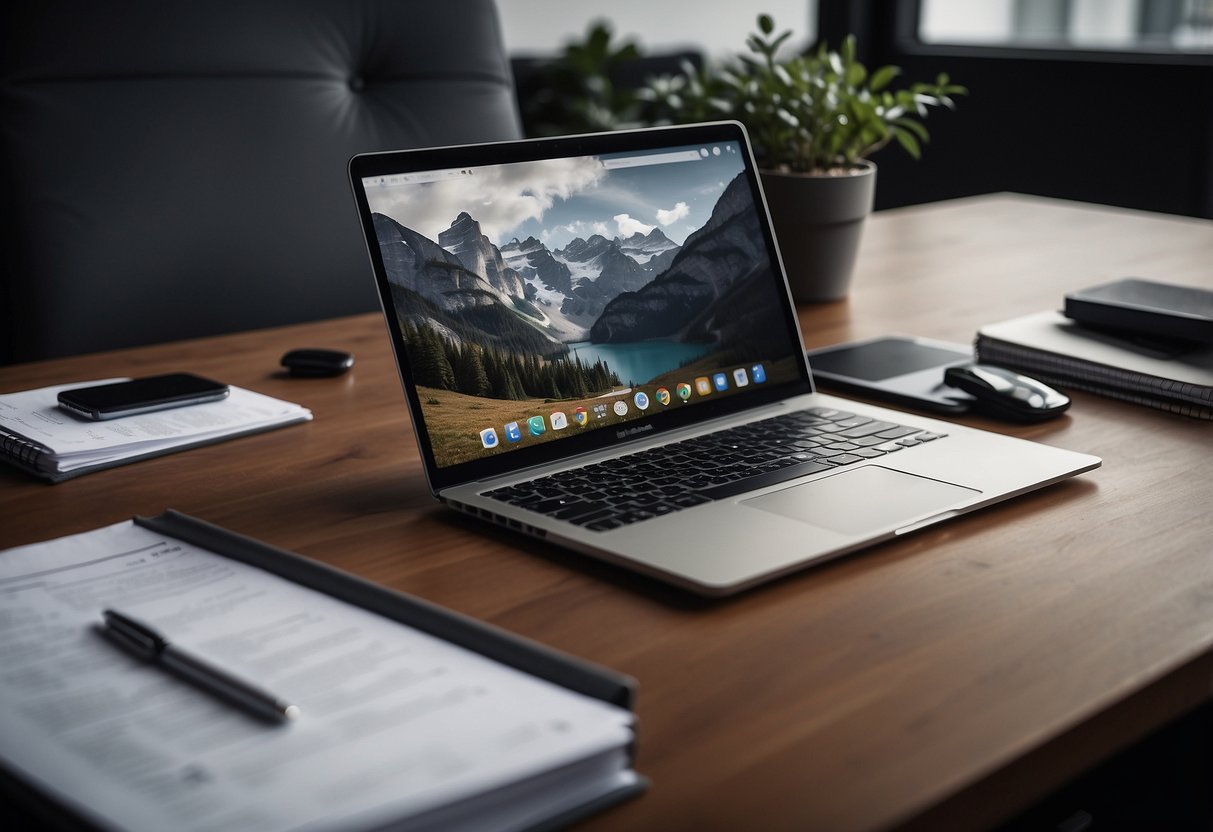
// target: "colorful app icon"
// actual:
[[740, 378], [535, 425], [513, 433], [720, 381], [703, 385], [684, 390], [580, 416], [758, 374], [641, 399], [621, 407], [559, 420], [488, 437], [663, 396]]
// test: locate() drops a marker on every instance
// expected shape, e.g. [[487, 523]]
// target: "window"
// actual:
[[1157, 26]]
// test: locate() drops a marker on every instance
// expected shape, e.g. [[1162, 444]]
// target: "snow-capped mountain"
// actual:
[[548, 285], [560, 293], [573, 284], [719, 286], [536, 265], [645, 248], [599, 260], [465, 240]]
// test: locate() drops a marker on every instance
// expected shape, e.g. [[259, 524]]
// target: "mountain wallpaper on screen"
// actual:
[[498, 320]]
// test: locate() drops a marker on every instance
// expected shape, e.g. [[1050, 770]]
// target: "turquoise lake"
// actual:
[[640, 361]]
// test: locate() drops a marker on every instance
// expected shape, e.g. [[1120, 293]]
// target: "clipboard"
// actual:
[[521, 654]]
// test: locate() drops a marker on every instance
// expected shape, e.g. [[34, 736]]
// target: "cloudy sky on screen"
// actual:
[[557, 200]]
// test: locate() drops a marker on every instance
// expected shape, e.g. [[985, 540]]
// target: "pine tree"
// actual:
[[495, 373], [532, 382], [431, 365], [581, 385], [516, 391], [470, 372]]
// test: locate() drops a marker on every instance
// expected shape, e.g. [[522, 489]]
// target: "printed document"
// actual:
[[394, 723]]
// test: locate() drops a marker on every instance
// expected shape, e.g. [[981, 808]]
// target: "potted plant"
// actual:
[[814, 120], [592, 85]]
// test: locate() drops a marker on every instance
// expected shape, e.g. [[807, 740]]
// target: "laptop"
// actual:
[[598, 348]]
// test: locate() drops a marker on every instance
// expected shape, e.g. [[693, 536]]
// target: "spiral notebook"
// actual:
[[39, 438], [1174, 377]]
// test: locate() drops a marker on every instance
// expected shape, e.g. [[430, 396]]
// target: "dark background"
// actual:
[[1117, 128]]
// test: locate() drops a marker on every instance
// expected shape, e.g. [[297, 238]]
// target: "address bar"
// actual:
[[652, 159]]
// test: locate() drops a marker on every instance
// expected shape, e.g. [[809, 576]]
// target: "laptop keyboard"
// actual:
[[715, 466]]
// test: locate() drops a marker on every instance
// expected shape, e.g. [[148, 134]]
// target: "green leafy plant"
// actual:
[[577, 91], [808, 113]]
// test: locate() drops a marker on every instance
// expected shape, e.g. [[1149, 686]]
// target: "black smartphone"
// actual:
[[141, 395], [907, 371]]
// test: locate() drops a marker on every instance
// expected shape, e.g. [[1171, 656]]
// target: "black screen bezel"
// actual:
[[407, 161]]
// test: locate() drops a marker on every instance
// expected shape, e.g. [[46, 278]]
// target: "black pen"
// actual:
[[146, 643]]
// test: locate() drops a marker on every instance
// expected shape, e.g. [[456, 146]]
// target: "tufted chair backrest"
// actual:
[[175, 169]]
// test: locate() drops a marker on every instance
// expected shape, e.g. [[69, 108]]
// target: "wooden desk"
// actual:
[[942, 681]]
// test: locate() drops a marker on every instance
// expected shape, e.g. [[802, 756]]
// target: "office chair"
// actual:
[[172, 170]]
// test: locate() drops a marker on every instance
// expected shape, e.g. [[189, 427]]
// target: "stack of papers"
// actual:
[[37, 436], [397, 727]]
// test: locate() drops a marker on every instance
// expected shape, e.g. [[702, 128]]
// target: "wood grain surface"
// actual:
[[945, 680]]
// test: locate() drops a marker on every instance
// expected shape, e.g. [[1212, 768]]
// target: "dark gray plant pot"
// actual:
[[818, 222]]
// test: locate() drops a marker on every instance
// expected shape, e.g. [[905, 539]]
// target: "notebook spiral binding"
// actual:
[[20, 449]]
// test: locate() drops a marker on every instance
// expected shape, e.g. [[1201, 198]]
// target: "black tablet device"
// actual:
[[897, 368]]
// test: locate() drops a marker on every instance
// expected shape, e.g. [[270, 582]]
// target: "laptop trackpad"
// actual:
[[863, 500]]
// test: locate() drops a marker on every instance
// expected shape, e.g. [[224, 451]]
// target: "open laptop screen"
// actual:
[[546, 299]]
